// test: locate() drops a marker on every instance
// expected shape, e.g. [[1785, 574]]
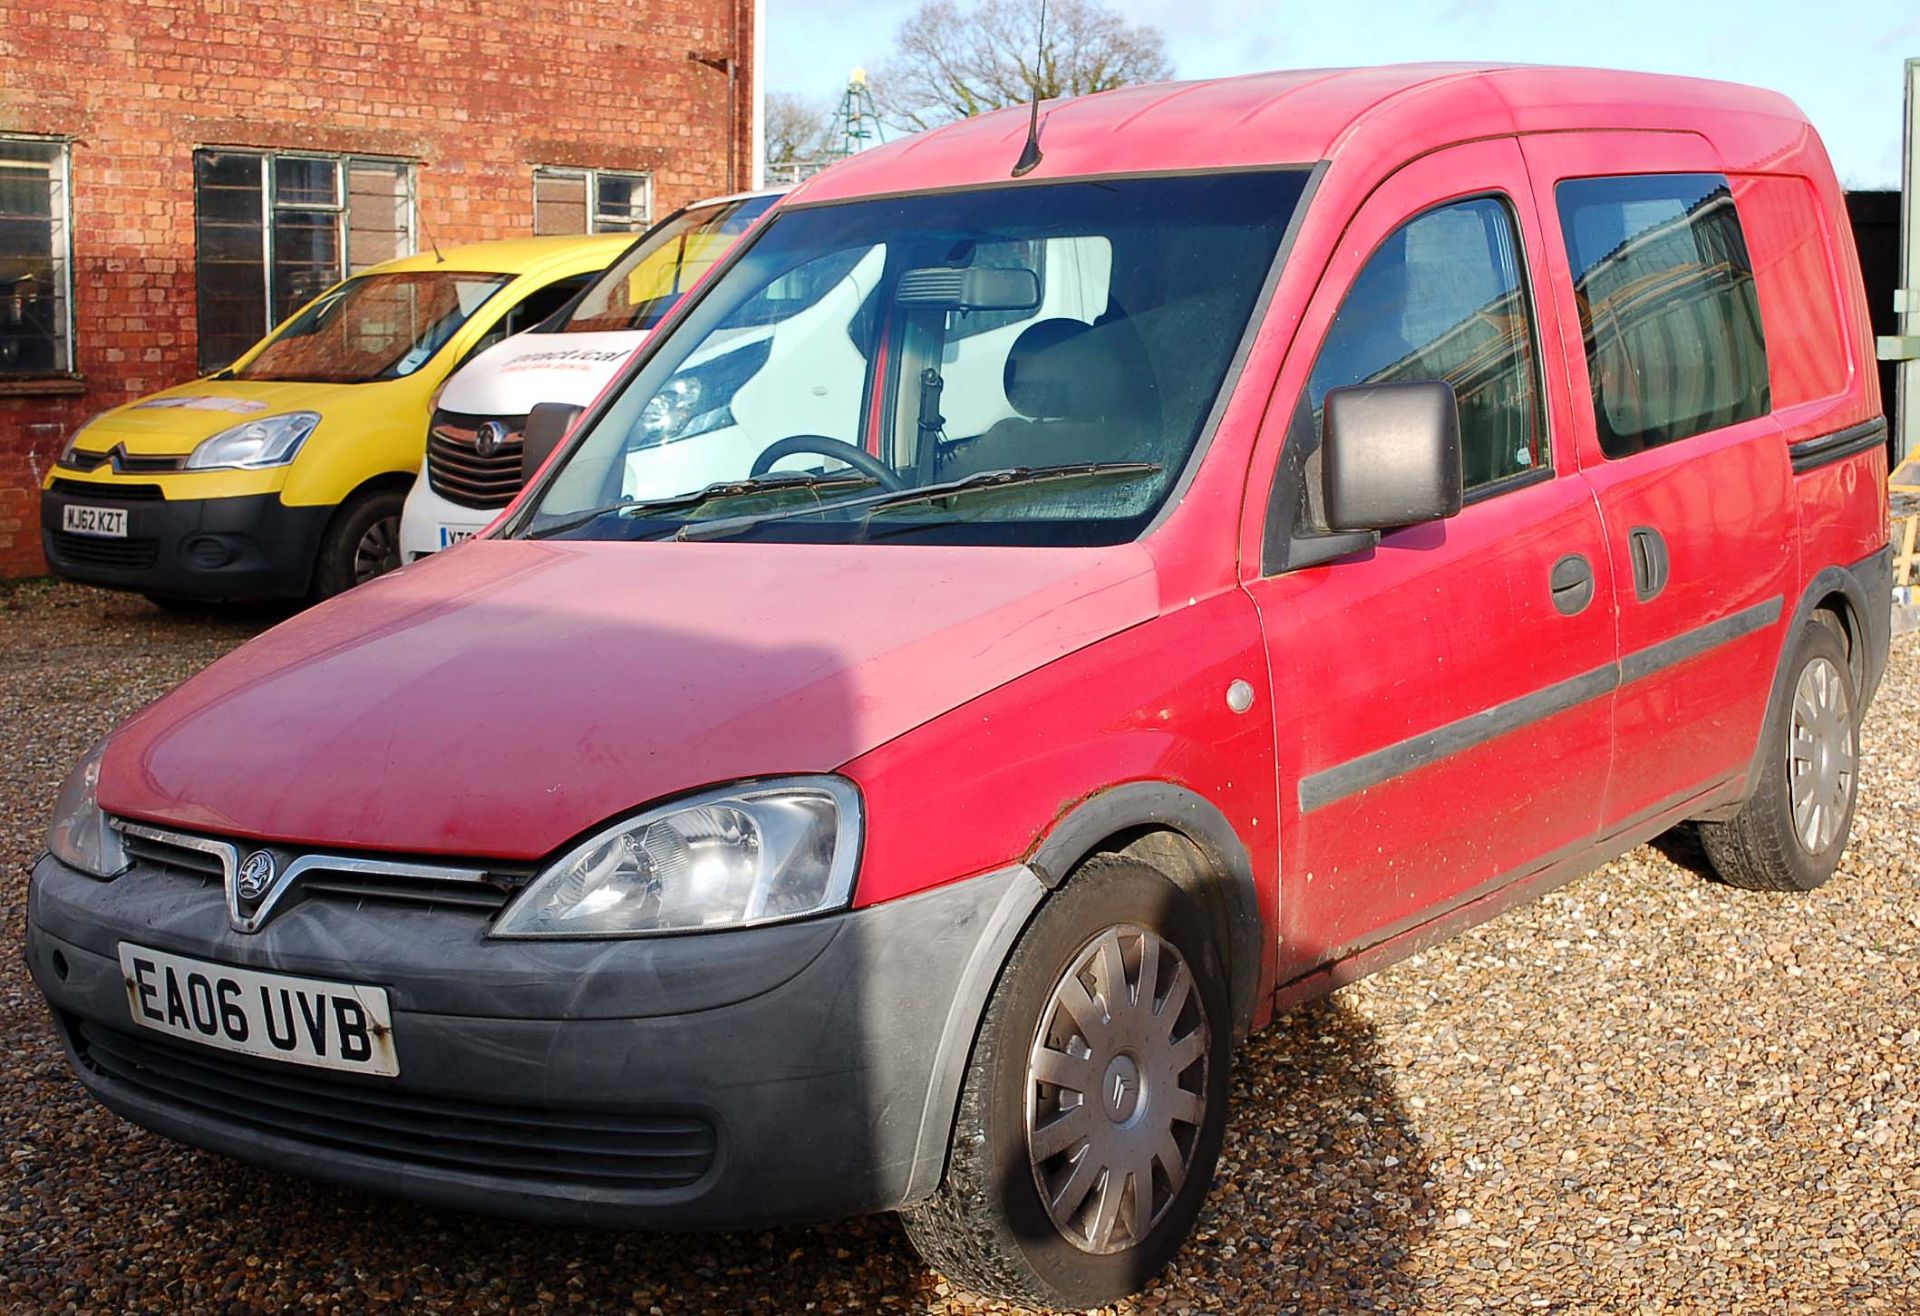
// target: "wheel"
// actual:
[[839, 450], [1790, 835], [362, 542], [1091, 1113]]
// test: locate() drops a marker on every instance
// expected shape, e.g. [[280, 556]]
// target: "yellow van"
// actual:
[[283, 475]]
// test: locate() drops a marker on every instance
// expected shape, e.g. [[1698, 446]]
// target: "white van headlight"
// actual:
[[80, 836], [759, 852], [269, 441]]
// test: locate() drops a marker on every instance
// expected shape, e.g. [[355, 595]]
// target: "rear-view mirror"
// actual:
[[947, 288], [547, 424], [1390, 455]]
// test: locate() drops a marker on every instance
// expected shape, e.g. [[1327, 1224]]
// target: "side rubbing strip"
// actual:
[[1344, 779], [1697, 641], [1838, 446], [1369, 770]]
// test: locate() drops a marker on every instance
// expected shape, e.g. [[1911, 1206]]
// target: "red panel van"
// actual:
[[1301, 515]]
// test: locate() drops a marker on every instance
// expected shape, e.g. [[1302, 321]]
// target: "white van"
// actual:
[[472, 468]]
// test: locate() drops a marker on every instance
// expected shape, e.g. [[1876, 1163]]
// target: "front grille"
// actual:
[[80, 459], [122, 554], [113, 493], [329, 877], [459, 474], [174, 860], [531, 1144]]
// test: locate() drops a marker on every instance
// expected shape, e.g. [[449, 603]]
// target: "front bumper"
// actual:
[[430, 521], [798, 1072], [251, 546]]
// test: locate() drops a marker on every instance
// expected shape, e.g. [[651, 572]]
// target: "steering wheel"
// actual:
[[838, 449]]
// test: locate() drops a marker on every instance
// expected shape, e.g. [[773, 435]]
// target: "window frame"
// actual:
[[60, 207], [1529, 299], [1286, 545], [1591, 397], [341, 210], [590, 176]]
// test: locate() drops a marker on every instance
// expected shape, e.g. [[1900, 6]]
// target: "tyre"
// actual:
[[1092, 1110], [1789, 836], [363, 541]]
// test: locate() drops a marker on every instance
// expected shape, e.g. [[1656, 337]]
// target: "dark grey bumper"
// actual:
[[800, 1072]]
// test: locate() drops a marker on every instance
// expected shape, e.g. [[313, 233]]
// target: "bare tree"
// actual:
[[952, 62], [796, 129]]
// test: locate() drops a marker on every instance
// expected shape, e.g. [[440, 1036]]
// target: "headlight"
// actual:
[[80, 837], [269, 441], [73, 441], [760, 852], [699, 400]]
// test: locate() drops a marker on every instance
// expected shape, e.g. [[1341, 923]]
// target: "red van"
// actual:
[[1298, 516]]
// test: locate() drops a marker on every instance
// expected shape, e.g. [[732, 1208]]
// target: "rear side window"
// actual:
[[1443, 298], [1668, 307]]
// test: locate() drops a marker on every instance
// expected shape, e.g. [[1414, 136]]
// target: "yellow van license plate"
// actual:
[[109, 522], [304, 1021]]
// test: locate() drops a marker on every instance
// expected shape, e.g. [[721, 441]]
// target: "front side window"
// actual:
[[638, 290], [375, 326], [1668, 307], [568, 201], [1444, 298], [35, 271], [1019, 364], [272, 231]]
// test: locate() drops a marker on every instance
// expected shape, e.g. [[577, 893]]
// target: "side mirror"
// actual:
[[547, 424], [1390, 455]]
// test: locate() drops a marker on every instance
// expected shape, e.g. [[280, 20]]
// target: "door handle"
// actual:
[[1571, 581], [1650, 566]]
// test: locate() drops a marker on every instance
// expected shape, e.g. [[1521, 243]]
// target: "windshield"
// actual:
[[376, 326], [1018, 364], [640, 288]]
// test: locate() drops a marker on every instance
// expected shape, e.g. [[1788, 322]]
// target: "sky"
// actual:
[[1840, 60]]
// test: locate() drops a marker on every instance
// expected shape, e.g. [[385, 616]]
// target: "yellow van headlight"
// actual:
[[269, 441]]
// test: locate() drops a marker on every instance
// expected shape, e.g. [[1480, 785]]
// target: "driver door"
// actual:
[[1441, 699]]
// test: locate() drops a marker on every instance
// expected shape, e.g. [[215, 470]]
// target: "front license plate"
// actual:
[[331, 1025], [449, 536], [110, 522]]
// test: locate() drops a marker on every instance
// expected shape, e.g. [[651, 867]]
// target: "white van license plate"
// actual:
[[305, 1021], [449, 536], [109, 522]]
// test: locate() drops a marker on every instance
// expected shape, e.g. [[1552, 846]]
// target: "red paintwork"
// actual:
[[498, 701], [514, 695]]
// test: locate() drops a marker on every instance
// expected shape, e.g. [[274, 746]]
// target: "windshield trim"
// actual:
[[520, 517], [234, 371]]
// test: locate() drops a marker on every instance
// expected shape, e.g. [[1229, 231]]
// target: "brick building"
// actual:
[[176, 175]]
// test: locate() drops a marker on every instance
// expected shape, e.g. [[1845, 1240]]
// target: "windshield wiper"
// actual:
[[1007, 477], [712, 493]]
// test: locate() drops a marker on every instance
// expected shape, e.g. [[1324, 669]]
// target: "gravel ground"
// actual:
[[1644, 1093]]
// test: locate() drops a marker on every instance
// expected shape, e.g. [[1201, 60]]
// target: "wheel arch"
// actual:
[[1846, 594], [1189, 840]]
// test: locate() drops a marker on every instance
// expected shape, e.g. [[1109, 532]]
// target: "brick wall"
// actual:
[[475, 91]]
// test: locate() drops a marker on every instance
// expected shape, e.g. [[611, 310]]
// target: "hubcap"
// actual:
[[1820, 765], [378, 551], [1116, 1089]]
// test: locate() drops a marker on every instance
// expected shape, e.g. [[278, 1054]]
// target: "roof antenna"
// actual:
[[427, 229], [1030, 153]]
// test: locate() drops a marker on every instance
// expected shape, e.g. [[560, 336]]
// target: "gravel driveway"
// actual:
[[1644, 1093]]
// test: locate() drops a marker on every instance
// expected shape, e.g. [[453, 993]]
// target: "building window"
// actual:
[[1667, 306], [36, 271], [590, 201], [272, 230]]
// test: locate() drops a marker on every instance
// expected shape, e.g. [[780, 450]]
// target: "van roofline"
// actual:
[[1388, 114]]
